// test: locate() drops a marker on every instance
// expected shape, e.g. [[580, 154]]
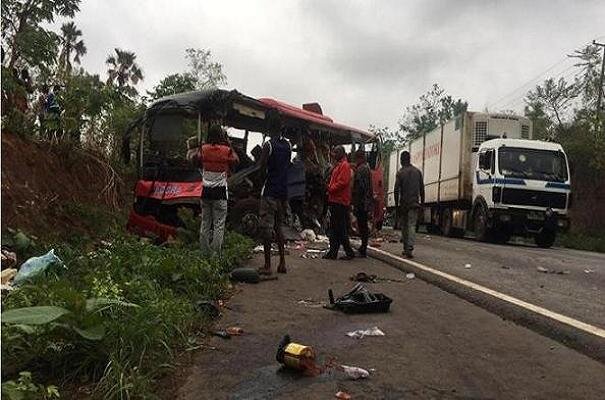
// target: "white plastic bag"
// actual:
[[35, 266]]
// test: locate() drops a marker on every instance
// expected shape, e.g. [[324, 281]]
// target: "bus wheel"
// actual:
[[545, 239]]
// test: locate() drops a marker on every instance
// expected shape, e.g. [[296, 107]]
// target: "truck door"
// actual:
[[485, 176]]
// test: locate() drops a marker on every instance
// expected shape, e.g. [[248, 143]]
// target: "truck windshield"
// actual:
[[538, 164]]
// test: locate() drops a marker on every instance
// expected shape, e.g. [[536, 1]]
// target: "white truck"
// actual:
[[482, 172]]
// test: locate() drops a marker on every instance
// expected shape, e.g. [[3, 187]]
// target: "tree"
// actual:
[[433, 108], [553, 97], [27, 42], [204, 73], [173, 84], [589, 61], [124, 70], [70, 43], [208, 74]]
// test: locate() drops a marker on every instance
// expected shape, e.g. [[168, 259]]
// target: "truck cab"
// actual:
[[521, 187]]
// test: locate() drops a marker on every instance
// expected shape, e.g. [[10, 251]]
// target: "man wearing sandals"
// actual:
[[275, 162]]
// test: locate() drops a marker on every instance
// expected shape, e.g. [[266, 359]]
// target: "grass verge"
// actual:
[[128, 307], [584, 241]]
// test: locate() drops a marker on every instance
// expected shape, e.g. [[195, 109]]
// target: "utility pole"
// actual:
[[600, 88]]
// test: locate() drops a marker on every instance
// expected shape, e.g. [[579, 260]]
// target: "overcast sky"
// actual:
[[363, 61]]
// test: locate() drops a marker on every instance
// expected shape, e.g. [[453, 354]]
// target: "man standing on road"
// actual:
[[362, 198], [215, 159], [409, 196], [275, 162], [339, 201]]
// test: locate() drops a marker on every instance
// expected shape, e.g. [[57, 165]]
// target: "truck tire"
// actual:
[[545, 239], [446, 223], [500, 237], [482, 231]]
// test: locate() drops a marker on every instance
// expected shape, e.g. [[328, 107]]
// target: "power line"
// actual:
[[556, 64]]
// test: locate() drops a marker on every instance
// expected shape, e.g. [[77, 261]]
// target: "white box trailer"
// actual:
[[448, 159]]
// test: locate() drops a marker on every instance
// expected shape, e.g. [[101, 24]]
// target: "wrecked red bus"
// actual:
[[167, 181]]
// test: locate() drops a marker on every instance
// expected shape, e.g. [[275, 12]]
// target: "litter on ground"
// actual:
[[467, 266], [542, 269], [410, 275], [234, 331], [355, 372], [342, 396], [360, 334], [36, 266], [359, 300]]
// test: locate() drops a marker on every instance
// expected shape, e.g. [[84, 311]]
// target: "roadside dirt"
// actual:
[[436, 345], [40, 182]]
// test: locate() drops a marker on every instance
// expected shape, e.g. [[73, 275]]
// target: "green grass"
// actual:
[[584, 241], [139, 342]]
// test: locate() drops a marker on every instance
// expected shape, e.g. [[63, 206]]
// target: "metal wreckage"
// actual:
[[159, 139]]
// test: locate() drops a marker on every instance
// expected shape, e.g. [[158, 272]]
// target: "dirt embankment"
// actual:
[[45, 187]]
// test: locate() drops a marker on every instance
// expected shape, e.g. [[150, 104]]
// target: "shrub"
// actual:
[[129, 306]]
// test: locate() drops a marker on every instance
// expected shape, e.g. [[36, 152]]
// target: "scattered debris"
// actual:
[[258, 249], [234, 331], [246, 275], [297, 356], [311, 303], [360, 300], [589, 271], [467, 266], [505, 267], [355, 372], [222, 334], [314, 251], [9, 259], [308, 235], [322, 239], [342, 396], [360, 334], [36, 265], [209, 308], [363, 277], [542, 269], [8, 275], [564, 272], [410, 275]]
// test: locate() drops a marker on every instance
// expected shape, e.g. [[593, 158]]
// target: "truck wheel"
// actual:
[[480, 224], [501, 237], [446, 223], [545, 239]]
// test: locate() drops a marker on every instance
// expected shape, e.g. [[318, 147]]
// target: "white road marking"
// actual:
[[583, 326]]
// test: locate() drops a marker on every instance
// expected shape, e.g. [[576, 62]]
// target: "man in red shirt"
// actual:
[[339, 200]]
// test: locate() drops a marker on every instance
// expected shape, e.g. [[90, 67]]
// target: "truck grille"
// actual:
[[536, 198]]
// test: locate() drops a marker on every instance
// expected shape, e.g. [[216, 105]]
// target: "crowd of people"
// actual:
[[349, 189]]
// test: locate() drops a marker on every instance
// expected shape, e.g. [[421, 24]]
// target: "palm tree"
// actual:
[[70, 43], [123, 69]]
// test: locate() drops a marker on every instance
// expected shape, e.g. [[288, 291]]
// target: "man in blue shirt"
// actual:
[[275, 162]]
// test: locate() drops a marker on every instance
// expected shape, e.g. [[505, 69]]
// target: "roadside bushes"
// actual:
[[128, 306]]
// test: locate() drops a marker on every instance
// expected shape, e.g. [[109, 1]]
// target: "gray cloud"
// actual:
[[364, 61]]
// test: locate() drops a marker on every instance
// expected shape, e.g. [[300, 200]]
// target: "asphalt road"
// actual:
[[569, 282], [437, 345]]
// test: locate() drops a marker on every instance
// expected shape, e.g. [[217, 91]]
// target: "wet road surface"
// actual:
[[436, 345]]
